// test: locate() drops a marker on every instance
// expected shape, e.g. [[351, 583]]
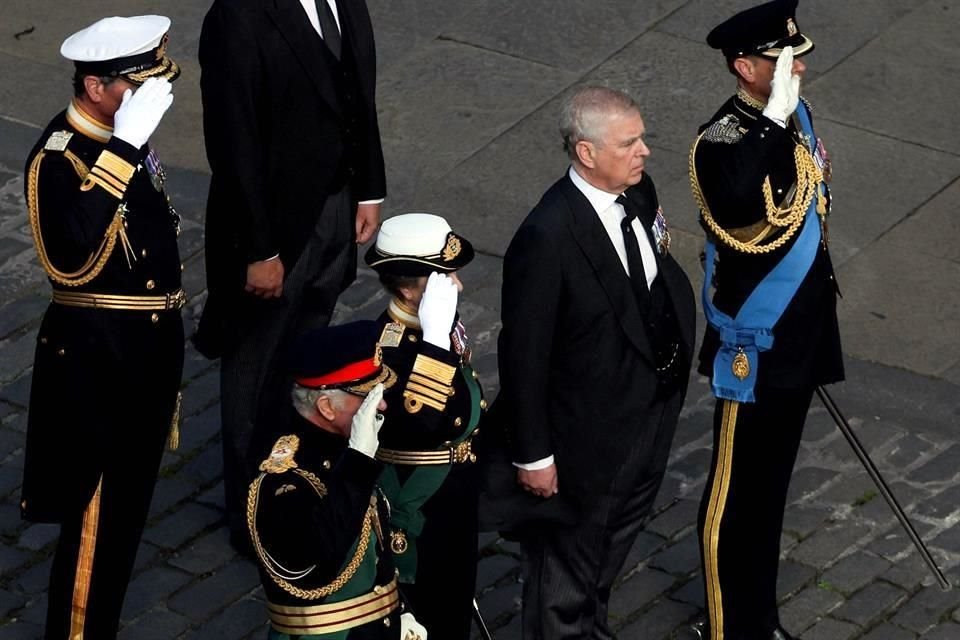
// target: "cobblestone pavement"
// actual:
[[467, 111]]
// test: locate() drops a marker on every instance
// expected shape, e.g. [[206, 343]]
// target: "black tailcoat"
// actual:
[[104, 381], [576, 365], [285, 124]]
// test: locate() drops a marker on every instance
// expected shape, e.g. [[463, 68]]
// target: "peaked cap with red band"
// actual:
[[345, 357]]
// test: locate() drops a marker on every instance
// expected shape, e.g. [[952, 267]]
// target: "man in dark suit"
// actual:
[[292, 139], [597, 340], [109, 352], [759, 176]]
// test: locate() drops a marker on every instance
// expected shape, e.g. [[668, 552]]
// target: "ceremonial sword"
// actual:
[[878, 480], [480, 623]]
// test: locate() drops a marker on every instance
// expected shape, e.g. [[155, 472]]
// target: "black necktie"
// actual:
[[328, 25], [638, 276]]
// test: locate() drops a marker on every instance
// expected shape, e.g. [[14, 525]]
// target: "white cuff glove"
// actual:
[[365, 428], [438, 308], [410, 629], [784, 89], [141, 111]]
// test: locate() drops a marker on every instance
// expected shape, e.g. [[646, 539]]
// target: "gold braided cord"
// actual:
[[790, 218], [253, 501], [95, 263]]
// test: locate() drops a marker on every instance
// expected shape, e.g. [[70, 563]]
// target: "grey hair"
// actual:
[[583, 115], [305, 400]]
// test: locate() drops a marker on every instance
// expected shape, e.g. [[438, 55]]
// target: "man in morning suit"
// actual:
[[110, 347], [290, 126], [316, 518], [759, 175], [597, 339], [432, 417]]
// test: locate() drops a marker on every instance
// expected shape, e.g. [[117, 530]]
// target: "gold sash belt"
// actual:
[[168, 302], [455, 454], [336, 616]]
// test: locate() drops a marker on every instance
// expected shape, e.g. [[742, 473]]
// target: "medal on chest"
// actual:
[[157, 175], [822, 158], [661, 235], [459, 339]]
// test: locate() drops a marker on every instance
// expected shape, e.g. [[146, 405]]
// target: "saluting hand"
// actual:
[[784, 89], [140, 112]]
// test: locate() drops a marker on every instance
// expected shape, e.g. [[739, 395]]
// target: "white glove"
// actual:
[[141, 111], [365, 427], [410, 629], [784, 89], [438, 308]]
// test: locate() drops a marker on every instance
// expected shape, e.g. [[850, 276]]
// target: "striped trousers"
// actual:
[[755, 446]]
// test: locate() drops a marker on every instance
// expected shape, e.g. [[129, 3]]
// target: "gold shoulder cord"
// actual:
[[253, 501], [788, 218], [95, 263]]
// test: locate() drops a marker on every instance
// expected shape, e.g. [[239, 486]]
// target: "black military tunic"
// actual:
[[755, 444], [107, 369], [318, 527], [432, 414]]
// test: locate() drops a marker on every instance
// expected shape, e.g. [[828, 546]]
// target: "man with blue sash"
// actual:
[[759, 175]]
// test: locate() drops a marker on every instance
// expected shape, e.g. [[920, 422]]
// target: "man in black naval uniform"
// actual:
[[432, 417], [110, 347], [316, 519], [759, 175]]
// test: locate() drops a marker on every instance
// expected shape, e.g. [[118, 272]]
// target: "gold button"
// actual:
[[181, 266], [475, 376], [61, 352], [458, 422], [386, 622], [326, 465], [483, 404], [143, 253], [154, 318], [150, 285], [412, 338], [43, 341]]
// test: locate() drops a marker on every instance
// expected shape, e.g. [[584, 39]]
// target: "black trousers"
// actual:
[[741, 514], [98, 542], [442, 598], [254, 389], [568, 572]]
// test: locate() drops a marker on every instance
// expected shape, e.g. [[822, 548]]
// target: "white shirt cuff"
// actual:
[[536, 465], [377, 201]]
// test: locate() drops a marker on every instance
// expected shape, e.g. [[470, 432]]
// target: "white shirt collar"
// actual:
[[600, 199]]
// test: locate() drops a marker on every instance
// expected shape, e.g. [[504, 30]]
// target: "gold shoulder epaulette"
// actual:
[[281, 457], [392, 334], [430, 383], [726, 130], [57, 141]]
